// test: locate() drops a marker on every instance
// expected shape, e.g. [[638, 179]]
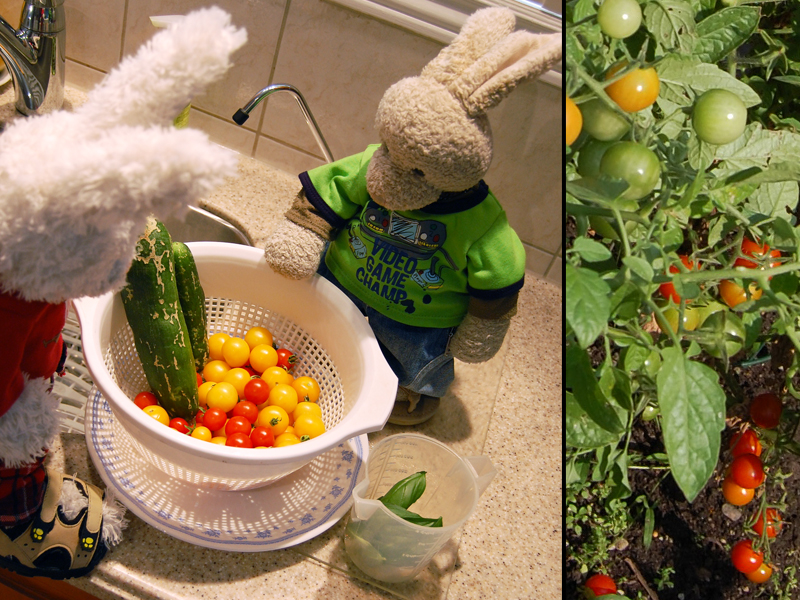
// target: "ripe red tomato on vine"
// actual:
[[757, 251], [746, 442], [747, 471], [774, 523], [601, 584], [667, 289], [766, 409], [745, 559], [736, 494]]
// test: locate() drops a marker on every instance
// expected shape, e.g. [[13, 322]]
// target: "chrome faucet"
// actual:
[[34, 55]]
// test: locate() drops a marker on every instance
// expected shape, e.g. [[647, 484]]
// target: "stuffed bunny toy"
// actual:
[[408, 229], [70, 215]]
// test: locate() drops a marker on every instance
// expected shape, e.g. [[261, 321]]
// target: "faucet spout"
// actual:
[[35, 56]]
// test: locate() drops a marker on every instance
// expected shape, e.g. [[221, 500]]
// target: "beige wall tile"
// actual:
[[555, 274], [222, 132], [285, 158], [537, 260], [11, 10], [94, 32], [82, 77], [252, 63]]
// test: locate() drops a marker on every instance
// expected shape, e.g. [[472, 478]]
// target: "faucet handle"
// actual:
[[43, 16]]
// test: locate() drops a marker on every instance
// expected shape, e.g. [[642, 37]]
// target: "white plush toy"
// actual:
[[408, 228], [75, 191]]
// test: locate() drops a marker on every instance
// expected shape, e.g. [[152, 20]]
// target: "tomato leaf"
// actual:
[[590, 250], [680, 73], [580, 378], [692, 407], [639, 267], [587, 304], [724, 31], [581, 431], [406, 491], [412, 517], [672, 24]]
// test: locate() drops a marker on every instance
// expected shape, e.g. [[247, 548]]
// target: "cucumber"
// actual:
[[154, 313], [193, 302]]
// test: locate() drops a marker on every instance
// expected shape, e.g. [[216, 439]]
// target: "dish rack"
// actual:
[[73, 387]]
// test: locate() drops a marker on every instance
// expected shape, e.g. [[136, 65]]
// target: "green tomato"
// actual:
[[730, 334], [589, 158], [634, 164], [649, 413], [719, 117], [602, 122], [619, 18], [691, 318]]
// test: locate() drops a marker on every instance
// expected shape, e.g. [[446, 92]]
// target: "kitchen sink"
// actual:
[[203, 226]]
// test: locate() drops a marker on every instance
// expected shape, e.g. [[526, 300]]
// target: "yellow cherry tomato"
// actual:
[[275, 418], [275, 375], [238, 378], [202, 391], [733, 294], [215, 343], [307, 388], [574, 121], [289, 429], [307, 409], [236, 352], [223, 396], [262, 357], [158, 413], [256, 336], [308, 426], [284, 396], [201, 433], [634, 91], [286, 439], [219, 440], [215, 370]]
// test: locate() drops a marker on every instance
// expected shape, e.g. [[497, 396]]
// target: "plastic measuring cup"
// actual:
[[392, 549]]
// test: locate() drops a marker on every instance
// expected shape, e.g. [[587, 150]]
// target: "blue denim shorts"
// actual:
[[419, 356]]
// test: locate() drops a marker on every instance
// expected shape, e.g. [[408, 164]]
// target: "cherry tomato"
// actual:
[[634, 91], [307, 409], [145, 399], [635, 164], [214, 419], [246, 409], [757, 251], [602, 122], [745, 442], [198, 418], [256, 336], [774, 523], [223, 396], [262, 357], [667, 289], [601, 584], [201, 433], [719, 116], [239, 440], [308, 427], [158, 413], [761, 574], [649, 412], [574, 121], [215, 343], [307, 388], [286, 439], [199, 380], [765, 410], [691, 318], [276, 375], [215, 370], [219, 440], [180, 425], [256, 391], [274, 417], [286, 358], [238, 378], [733, 294], [238, 424], [747, 471], [736, 494], [236, 352], [284, 396], [262, 436], [619, 18], [730, 326], [745, 559], [202, 392]]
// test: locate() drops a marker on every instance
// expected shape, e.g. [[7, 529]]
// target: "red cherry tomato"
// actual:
[[736, 494], [239, 440], [747, 471], [774, 523], [765, 410], [286, 359], [745, 559], [199, 380], [759, 252], [145, 399], [256, 391], [601, 585], [198, 418], [180, 425], [214, 418], [262, 436], [246, 409], [667, 289], [745, 442], [238, 425]]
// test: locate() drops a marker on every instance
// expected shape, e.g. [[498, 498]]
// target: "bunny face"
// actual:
[[430, 145]]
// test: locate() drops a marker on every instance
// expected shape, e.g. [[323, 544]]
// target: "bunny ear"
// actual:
[[482, 30], [521, 56]]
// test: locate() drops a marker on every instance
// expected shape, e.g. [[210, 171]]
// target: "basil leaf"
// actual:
[[406, 491], [412, 517]]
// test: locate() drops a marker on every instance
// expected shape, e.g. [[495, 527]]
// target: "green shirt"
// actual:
[[418, 267]]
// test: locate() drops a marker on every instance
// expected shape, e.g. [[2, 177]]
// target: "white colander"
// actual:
[[312, 318]]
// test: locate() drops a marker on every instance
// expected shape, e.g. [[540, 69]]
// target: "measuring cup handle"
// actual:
[[484, 471]]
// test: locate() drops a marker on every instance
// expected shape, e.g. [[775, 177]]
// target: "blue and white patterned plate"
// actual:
[[292, 510]]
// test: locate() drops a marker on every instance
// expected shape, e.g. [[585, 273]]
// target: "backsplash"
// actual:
[[342, 62]]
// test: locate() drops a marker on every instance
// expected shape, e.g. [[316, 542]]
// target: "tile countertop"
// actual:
[[509, 548]]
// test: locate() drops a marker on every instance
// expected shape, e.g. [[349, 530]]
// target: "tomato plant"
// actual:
[[758, 252], [719, 116], [601, 584], [745, 558], [667, 290], [574, 121], [766, 410]]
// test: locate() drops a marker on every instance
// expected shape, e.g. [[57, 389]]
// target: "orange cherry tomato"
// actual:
[[634, 91], [733, 294], [761, 574], [736, 494], [574, 121]]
